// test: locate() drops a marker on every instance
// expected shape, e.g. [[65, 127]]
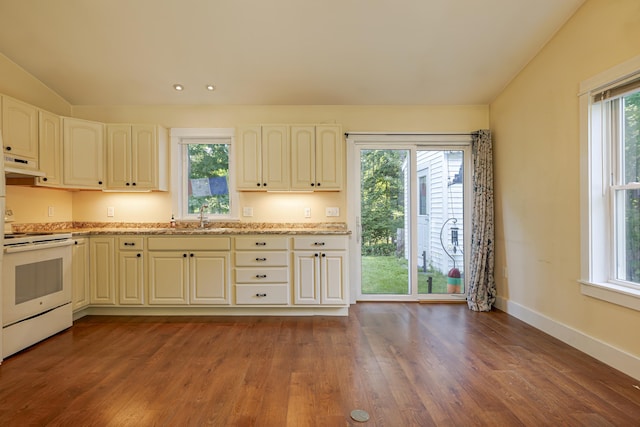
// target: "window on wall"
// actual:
[[611, 186], [203, 180]]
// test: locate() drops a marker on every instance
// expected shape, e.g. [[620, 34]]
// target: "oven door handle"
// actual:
[[37, 246]]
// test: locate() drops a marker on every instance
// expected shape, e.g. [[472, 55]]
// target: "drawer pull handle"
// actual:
[[319, 243], [129, 244], [261, 259], [261, 295], [261, 243], [261, 276]]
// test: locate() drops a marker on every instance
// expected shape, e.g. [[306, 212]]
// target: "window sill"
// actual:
[[615, 294]]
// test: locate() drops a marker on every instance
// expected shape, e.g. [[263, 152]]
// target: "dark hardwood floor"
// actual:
[[405, 364]]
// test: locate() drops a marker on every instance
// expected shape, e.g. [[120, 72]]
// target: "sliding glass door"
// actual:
[[409, 216]]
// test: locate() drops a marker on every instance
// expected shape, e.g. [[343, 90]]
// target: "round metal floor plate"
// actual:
[[360, 415]]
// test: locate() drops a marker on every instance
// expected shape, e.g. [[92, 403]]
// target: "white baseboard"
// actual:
[[614, 357]]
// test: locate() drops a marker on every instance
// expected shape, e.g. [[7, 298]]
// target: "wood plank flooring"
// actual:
[[405, 364]]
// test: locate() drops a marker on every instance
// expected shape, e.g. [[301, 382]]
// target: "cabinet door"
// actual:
[[50, 149], [275, 158], [303, 157], [80, 274], [329, 157], [102, 270], [83, 153], [144, 157], [333, 278], [168, 277], [249, 142], [209, 277], [20, 129], [131, 277], [306, 278], [118, 156]]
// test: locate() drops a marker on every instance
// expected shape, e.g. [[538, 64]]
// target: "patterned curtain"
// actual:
[[481, 294]]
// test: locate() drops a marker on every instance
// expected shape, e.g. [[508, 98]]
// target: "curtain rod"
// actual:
[[411, 133]]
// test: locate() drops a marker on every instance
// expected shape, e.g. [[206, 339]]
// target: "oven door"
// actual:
[[35, 279]]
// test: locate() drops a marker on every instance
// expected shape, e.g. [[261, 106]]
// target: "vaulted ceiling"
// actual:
[[277, 52]]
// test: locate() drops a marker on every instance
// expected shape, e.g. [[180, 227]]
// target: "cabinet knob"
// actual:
[[191, 255], [134, 184], [315, 255], [318, 184], [184, 255], [7, 148], [258, 184], [264, 184], [75, 242], [324, 255], [44, 179], [312, 184], [99, 182], [138, 255], [127, 184]]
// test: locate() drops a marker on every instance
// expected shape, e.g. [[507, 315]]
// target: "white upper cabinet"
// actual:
[[136, 157], [50, 149], [83, 154], [20, 131], [263, 158], [317, 158]]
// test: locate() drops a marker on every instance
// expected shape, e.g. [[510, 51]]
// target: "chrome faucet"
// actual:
[[203, 219]]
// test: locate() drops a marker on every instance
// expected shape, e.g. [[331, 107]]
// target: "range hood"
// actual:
[[19, 168]]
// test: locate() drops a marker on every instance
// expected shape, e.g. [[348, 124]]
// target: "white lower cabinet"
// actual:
[[80, 273], [185, 270], [262, 274], [131, 276], [320, 270], [102, 270]]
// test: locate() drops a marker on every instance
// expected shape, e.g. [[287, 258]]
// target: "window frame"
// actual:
[[180, 137], [597, 169]]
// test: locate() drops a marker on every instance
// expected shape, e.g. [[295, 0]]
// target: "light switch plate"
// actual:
[[110, 211], [247, 211], [307, 212]]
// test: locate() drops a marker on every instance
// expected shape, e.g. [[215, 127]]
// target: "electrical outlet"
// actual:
[[50, 211], [333, 212], [247, 211], [307, 212], [111, 211]]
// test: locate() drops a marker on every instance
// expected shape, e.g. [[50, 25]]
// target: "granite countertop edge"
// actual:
[[199, 232], [185, 228]]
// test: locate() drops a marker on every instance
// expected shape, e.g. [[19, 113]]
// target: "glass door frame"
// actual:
[[413, 143]]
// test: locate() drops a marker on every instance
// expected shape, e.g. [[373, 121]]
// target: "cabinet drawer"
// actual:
[[189, 243], [262, 275], [131, 243], [320, 243], [266, 259], [262, 294], [259, 243]]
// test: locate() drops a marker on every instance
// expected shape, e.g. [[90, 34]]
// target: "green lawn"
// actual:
[[389, 275]]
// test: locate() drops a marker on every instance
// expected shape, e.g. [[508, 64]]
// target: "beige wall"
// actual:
[[535, 125], [19, 84]]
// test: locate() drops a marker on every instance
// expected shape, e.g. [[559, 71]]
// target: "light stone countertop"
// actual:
[[188, 229]]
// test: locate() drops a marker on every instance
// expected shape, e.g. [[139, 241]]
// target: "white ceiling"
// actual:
[[263, 52]]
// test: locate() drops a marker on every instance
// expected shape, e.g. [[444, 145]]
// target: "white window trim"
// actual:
[[180, 136], [595, 251]]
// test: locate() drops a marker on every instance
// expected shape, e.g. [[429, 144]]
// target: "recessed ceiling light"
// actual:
[[211, 87], [178, 87]]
